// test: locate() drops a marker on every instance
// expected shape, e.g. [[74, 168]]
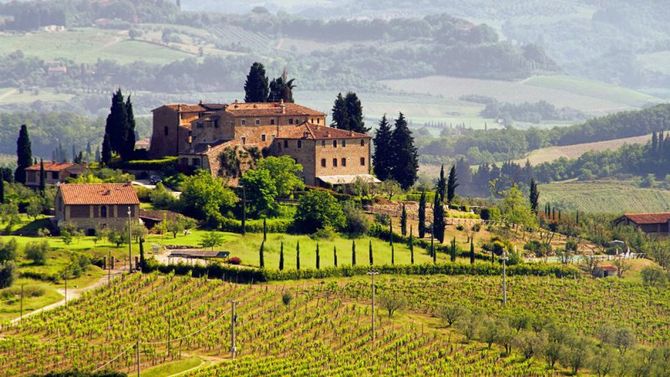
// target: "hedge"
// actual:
[[256, 226], [249, 275], [162, 164]]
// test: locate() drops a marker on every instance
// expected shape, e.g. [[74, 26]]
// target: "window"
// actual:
[[334, 162], [258, 122], [344, 143], [263, 137], [216, 123], [103, 211], [285, 143], [165, 130], [290, 120], [323, 162], [299, 143], [362, 161], [344, 161], [244, 140], [362, 142], [272, 121], [243, 122], [323, 143], [334, 143], [54, 175]]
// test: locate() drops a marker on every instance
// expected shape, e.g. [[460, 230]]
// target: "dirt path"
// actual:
[[72, 294]]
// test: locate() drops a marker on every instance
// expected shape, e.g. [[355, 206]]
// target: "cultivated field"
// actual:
[[605, 197], [574, 151]]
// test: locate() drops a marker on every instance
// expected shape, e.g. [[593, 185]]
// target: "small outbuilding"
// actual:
[[650, 223]]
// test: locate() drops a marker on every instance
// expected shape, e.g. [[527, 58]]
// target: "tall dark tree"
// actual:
[[534, 196], [2, 189], [355, 113], [106, 156], [340, 113], [405, 158], [256, 87], [335, 256], [128, 148], [382, 154], [442, 185], [281, 89], [411, 245], [370, 256], [472, 250], [438, 218], [452, 184], [116, 126], [297, 256], [281, 256], [403, 221], [24, 155], [392, 254], [43, 176], [261, 255], [453, 250], [353, 252], [318, 257], [422, 215]]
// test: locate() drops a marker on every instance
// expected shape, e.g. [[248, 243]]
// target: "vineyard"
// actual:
[[324, 326]]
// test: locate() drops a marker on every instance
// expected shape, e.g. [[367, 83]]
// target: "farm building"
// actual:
[[605, 271], [95, 206], [55, 172], [651, 223]]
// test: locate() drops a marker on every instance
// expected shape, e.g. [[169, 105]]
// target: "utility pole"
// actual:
[[372, 274], [137, 356], [109, 268], [233, 320], [504, 259], [130, 243]]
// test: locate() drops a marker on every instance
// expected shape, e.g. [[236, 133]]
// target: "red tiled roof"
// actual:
[[98, 193], [317, 132], [52, 166], [648, 218], [184, 107], [269, 109]]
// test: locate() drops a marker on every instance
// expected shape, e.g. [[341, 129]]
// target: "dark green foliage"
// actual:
[[24, 155], [256, 87], [422, 215], [452, 184], [261, 255], [535, 197], [340, 113], [297, 256], [143, 261], [7, 274], [128, 147], [438, 218], [472, 251], [2, 189], [382, 156], [265, 229], [281, 89], [442, 185], [37, 252], [355, 113], [353, 253], [403, 221], [453, 250], [392, 254], [106, 156], [318, 209], [281, 256], [370, 255], [8, 251], [318, 257], [117, 126], [405, 164], [43, 176], [335, 256]]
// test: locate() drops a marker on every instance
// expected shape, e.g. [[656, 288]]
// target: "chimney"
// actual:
[[179, 108]]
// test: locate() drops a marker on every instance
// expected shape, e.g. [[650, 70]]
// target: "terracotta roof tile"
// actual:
[[52, 166], [98, 193], [184, 107], [648, 218], [269, 109], [317, 132]]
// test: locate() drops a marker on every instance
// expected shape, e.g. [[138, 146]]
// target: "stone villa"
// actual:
[[54, 173], [226, 139]]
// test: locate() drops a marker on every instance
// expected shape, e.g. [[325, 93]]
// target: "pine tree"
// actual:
[[370, 256], [438, 218], [106, 157], [281, 89], [355, 113], [422, 215], [24, 155], [452, 184], [353, 252], [281, 256], [404, 154], [411, 245], [442, 185], [472, 251], [256, 87], [261, 255], [452, 250], [403, 221], [116, 126], [297, 256], [128, 148], [340, 114], [335, 256], [534, 196], [318, 257], [43, 176], [382, 153]]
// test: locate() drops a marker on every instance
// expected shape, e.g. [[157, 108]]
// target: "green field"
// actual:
[[603, 197]]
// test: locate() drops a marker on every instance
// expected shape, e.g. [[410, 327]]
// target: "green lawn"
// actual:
[[10, 303], [173, 368]]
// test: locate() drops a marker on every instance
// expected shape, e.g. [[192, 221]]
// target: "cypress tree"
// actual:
[[116, 126], [472, 251], [261, 255], [411, 246], [98, 156], [2, 189], [297, 256], [405, 163], [370, 256], [403, 221], [392, 254], [432, 245], [318, 257], [340, 114], [106, 157], [24, 155], [382, 155], [442, 185], [534, 196], [422, 215], [265, 229], [353, 252], [281, 256], [355, 113], [452, 250], [256, 87], [143, 261], [452, 184], [74, 153], [128, 148], [438, 218], [43, 176], [335, 255]]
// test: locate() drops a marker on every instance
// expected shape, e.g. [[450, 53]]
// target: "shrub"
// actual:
[[286, 298], [357, 223], [8, 251], [459, 227], [7, 274], [234, 260], [37, 252], [318, 209], [653, 277], [327, 233]]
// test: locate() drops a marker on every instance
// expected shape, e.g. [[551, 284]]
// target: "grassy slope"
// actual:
[[605, 197], [574, 151]]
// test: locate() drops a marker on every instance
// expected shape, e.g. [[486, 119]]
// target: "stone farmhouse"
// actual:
[[227, 139], [95, 206], [55, 172]]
